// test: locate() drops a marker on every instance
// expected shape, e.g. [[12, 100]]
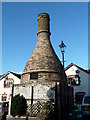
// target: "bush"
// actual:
[[19, 105]]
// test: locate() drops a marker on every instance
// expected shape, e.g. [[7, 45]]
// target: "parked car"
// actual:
[[86, 105]]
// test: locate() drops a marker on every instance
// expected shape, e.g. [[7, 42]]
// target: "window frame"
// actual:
[[4, 96], [71, 80], [10, 82]]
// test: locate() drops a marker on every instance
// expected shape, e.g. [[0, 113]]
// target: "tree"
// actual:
[[19, 105]]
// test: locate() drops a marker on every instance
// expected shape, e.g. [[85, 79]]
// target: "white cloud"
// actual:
[[20, 72]]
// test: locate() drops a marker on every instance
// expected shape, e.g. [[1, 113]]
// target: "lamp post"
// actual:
[[62, 47]]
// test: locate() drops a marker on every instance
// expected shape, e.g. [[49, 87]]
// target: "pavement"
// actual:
[[0, 116]]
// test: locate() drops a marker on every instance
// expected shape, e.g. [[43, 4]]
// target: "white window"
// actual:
[[8, 82], [73, 80]]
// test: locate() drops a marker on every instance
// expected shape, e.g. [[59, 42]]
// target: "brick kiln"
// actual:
[[44, 72]]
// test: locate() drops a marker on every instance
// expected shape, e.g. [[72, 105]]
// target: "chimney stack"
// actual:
[[43, 25]]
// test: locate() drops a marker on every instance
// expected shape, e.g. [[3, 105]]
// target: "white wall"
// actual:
[[7, 91], [40, 91], [83, 77]]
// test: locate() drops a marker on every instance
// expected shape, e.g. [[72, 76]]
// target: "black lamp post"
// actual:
[[62, 47]]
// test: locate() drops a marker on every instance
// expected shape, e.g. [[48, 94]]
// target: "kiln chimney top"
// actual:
[[43, 23]]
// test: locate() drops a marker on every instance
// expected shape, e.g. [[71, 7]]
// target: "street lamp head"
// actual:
[[62, 47]]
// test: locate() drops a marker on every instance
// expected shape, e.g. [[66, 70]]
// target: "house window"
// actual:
[[4, 97], [76, 79], [8, 82], [34, 75], [73, 80]]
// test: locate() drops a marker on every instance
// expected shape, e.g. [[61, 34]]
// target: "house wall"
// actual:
[[5, 90], [83, 87]]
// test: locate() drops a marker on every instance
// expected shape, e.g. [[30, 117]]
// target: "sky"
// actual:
[[68, 22]]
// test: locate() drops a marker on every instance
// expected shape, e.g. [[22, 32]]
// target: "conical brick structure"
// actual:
[[44, 73], [43, 64]]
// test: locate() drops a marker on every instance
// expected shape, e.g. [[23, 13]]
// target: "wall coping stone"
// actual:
[[23, 117]]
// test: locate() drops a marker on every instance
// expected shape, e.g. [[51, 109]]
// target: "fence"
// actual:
[[41, 108]]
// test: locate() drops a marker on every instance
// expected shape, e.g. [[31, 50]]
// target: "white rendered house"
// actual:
[[6, 82], [79, 78]]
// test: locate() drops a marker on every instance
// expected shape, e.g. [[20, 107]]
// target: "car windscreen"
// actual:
[[87, 100]]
